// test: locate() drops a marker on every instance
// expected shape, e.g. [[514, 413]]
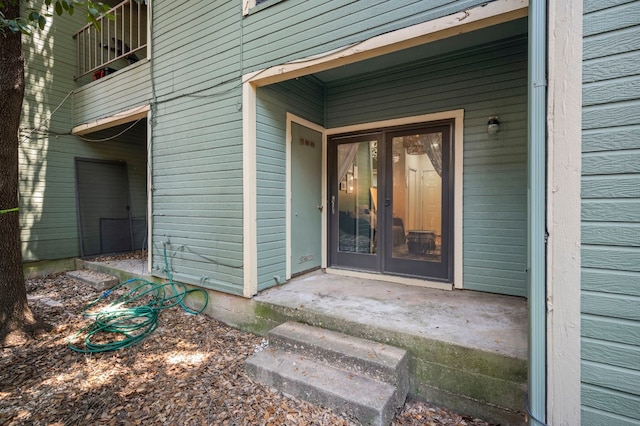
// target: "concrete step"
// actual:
[[356, 396], [95, 279], [359, 356], [467, 350], [355, 377]]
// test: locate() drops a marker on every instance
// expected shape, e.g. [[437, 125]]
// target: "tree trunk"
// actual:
[[15, 314]]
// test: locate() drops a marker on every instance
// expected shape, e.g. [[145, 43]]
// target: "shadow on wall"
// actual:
[[47, 150]]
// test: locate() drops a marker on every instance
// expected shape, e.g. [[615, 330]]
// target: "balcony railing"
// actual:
[[120, 41]]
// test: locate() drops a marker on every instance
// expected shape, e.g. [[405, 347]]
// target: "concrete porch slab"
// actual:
[[467, 350], [488, 322]]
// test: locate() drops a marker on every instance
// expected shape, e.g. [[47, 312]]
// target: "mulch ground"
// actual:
[[189, 371]]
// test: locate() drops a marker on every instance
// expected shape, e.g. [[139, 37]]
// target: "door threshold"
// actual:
[[390, 278]]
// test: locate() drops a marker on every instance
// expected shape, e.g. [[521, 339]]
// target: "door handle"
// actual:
[[333, 204], [387, 202]]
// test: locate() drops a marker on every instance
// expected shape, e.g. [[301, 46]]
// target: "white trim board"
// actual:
[[564, 130], [249, 191], [149, 192]]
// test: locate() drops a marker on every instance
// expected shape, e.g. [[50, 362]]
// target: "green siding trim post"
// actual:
[[536, 209]]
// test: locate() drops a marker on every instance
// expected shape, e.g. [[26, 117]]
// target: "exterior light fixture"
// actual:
[[493, 126]]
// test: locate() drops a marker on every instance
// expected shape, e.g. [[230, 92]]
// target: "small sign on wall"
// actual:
[[306, 142]]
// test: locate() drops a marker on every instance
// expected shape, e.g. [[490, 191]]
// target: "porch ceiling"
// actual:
[[451, 44]]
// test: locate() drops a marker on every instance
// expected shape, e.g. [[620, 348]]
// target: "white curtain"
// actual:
[[432, 143], [346, 154]]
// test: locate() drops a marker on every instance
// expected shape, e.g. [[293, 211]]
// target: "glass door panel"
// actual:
[[417, 197], [417, 186], [353, 201], [356, 219]]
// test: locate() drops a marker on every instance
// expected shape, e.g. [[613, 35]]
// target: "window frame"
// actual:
[[252, 6]]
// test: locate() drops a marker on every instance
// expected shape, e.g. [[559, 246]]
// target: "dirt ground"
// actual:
[[189, 371]]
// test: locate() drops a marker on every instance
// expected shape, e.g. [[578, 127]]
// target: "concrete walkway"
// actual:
[[470, 319]]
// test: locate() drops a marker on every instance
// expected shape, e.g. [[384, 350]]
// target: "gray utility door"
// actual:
[[103, 207], [306, 198]]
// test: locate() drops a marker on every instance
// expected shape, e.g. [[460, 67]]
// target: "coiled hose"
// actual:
[[133, 316]]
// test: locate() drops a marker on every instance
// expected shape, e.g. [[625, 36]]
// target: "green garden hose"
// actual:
[[133, 316]]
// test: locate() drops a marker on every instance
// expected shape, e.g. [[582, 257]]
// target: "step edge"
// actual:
[[386, 355], [256, 358], [397, 375]]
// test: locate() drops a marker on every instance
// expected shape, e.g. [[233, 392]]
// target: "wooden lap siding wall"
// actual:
[[304, 97], [49, 226], [611, 214]]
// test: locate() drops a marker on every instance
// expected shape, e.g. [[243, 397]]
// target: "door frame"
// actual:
[[442, 270], [292, 118], [457, 116]]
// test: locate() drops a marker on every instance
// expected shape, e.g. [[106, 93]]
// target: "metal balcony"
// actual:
[[120, 41]]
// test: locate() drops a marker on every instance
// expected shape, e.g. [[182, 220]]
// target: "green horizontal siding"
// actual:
[[113, 94], [616, 408], [608, 281], [197, 178], [49, 228], [613, 18], [197, 49], [621, 306], [611, 329], [617, 186], [610, 210], [614, 354], [197, 138], [304, 98], [600, 68], [200, 53], [594, 417], [594, 6], [611, 234], [610, 301], [611, 43], [295, 28], [49, 217]]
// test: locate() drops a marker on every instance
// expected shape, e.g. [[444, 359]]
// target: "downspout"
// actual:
[[151, 118], [536, 207]]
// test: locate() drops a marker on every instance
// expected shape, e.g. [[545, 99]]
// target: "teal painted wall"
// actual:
[[484, 81], [113, 94], [294, 29], [200, 52], [610, 301], [48, 215], [197, 143], [304, 98]]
